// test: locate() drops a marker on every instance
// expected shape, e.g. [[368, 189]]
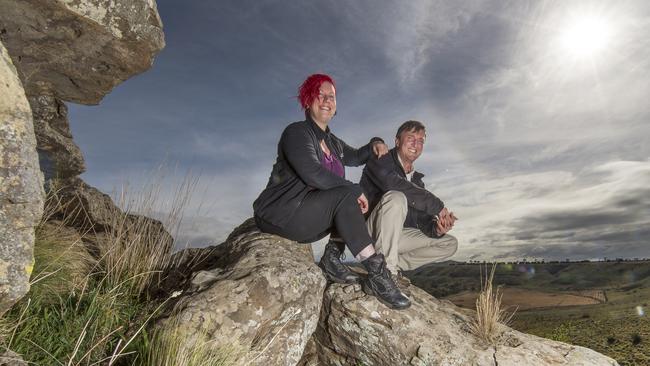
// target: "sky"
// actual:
[[538, 136]]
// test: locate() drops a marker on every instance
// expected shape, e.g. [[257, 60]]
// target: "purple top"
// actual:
[[333, 164]]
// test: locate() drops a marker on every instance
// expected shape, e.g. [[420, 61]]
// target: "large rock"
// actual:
[[258, 290], [21, 182], [356, 329], [79, 49]]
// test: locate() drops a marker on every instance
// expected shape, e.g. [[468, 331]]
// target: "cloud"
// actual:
[[600, 211], [519, 136]]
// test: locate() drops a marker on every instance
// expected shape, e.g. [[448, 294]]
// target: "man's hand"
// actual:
[[446, 220], [380, 149], [363, 203]]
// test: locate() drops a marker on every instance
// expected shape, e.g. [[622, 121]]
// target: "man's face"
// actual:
[[409, 145]]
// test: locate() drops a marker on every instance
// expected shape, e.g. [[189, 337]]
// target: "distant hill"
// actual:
[[447, 278]]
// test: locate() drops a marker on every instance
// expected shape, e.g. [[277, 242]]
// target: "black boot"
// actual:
[[402, 282], [331, 265], [380, 283]]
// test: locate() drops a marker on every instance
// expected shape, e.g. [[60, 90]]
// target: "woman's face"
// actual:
[[323, 107]]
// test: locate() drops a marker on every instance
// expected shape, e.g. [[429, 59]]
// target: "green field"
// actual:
[[618, 327]]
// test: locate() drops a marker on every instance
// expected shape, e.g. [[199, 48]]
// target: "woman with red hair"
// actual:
[[308, 197]]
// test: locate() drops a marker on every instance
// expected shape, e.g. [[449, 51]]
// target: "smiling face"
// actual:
[[323, 107], [409, 145]]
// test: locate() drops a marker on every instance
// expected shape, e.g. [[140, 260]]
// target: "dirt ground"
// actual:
[[530, 299]]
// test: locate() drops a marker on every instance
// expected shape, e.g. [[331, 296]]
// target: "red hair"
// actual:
[[310, 88]]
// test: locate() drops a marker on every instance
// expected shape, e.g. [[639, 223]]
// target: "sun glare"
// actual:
[[586, 37]]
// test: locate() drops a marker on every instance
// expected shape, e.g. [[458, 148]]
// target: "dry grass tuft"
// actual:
[[137, 248], [490, 316], [171, 346]]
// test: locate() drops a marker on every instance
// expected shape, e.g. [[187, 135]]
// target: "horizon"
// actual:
[[536, 113]]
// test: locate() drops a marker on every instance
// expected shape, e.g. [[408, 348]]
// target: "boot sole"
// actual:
[[369, 291], [331, 278]]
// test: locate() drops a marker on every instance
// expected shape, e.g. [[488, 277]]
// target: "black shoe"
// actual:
[[332, 266], [381, 285]]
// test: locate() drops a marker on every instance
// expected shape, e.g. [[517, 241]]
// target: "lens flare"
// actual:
[[640, 311]]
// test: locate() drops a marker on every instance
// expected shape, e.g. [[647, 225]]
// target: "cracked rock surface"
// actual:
[[357, 329], [258, 290]]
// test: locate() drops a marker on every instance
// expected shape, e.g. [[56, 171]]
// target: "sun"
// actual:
[[586, 37]]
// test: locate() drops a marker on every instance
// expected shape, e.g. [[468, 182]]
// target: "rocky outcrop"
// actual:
[[75, 50], [61, 50], [262, 293], [356, 329], [78, 50], [258, 290], [21, 202]]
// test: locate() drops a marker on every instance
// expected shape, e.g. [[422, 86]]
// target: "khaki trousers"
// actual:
[[404, 248]]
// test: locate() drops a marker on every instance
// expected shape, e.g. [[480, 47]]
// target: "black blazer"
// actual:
[[298, 170]]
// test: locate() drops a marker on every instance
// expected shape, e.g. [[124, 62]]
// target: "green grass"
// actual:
[[72, 315], [85, 309], [75, 330], [605, 328]]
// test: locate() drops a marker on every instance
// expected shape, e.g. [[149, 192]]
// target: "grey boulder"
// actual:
[[21, 182], [258, 291]]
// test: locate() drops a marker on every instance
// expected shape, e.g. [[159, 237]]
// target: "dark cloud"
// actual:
[[619, 227]]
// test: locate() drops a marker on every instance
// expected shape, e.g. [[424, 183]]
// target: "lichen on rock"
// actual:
[[21, 182], [261, 291]]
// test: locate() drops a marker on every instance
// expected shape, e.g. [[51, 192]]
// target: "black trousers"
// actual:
[[322, 212]]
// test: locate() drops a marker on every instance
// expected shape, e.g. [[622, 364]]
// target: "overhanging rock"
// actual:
[[79, 49]]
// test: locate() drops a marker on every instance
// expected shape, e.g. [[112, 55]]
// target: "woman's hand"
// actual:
[[380, 149], [363, 203]]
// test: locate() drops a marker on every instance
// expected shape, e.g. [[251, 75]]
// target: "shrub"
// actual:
[[489, 313]]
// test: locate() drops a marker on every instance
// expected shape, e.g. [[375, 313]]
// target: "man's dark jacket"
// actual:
[[298, 170], [386, 174]]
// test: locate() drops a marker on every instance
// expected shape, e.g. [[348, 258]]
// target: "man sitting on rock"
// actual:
[[408, 223]]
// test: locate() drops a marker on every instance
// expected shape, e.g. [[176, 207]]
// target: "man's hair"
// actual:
[[410, 126], [310, 88]]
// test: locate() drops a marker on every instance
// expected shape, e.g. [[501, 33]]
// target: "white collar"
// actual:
[[408, 175]]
